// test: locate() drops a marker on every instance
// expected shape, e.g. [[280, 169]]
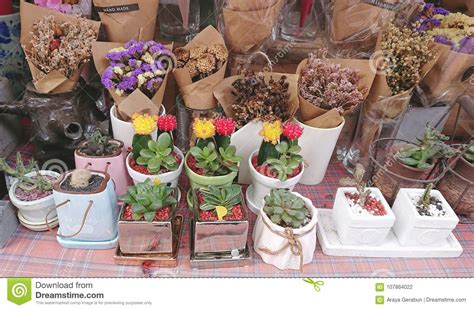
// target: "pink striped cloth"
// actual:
[[32, 254]]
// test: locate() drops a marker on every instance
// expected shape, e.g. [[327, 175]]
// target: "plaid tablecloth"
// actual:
[[32, 254]]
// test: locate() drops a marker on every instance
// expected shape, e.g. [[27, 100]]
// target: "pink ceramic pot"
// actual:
[[115, 162]]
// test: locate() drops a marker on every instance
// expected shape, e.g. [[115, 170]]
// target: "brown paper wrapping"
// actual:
[[383, 107], [314, 116], [356, 18], [53, 82], [122, 27], [443, 82], [198, 95], [249, 23], [136, 101], [223, 92]]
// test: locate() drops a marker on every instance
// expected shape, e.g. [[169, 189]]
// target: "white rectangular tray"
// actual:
[[330, 244]]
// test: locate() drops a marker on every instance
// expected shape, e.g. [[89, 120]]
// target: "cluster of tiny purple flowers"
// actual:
[[137, 65]]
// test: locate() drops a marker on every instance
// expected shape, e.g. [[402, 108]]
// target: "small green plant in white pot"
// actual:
[[285, 232], [424, 217], [32, 193]]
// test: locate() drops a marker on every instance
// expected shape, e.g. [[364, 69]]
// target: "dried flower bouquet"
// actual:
[[454, 36], [258, 99], [201, 66], [403, 59], [135, 73], [330, 88], [56, 46]]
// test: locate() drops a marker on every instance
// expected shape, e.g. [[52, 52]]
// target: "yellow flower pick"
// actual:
[[221, 212], [157, 181]]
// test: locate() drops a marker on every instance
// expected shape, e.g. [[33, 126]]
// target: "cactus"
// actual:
[[98, 144], [359, 183], [425, 199], [158, 154], [147, 198], [80, 178], [226, 197], [285, 209]]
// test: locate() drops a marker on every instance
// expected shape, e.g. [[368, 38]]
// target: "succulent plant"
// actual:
[[469, 154], [425, 199], [285, 209], [20, 168], [230, 160], [288, 160], [215, 162], [359, 182], [432, 145], [224, 197], [30, 183], [158, 154], [98, 144], [147, 198]]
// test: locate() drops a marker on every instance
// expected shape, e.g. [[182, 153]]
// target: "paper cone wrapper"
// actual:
[[54, 81], [444, 81], [314, 116], [198, 95], [225, 98], [247, 30], [137, 101], [358, 20], [249, 5], [125, 20]]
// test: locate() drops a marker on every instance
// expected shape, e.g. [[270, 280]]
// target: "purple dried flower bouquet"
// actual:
[[137, 65], [327, 85], [453, 29]]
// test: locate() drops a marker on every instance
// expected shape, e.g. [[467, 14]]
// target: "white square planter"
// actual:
[[356, 229], [413, 229]]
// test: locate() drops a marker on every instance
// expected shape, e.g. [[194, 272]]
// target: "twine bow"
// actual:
[[293, 243]]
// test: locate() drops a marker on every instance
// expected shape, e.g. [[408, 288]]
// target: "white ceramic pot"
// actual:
[[413, 229], [262, 185], [265, 238], [100, 223], [357, 229], [245, 147], [170, 178], [317, 146], [123, 131], [34, 211]]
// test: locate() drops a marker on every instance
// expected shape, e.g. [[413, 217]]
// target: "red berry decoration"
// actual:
[[54, 44], [292, 130], [224, 126], [167, 123]]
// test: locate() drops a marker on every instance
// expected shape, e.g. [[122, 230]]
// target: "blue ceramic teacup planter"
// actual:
[[87, 210]]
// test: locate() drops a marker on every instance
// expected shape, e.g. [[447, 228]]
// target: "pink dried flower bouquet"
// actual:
[[327, 85], [76, 7]]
